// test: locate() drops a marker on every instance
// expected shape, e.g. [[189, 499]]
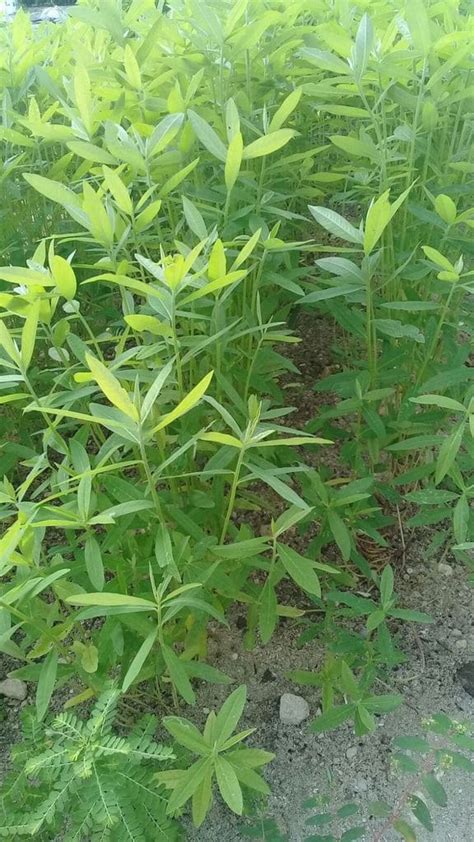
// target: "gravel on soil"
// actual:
[[307, 764]]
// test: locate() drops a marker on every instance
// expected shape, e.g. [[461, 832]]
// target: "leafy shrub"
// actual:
[[172, 193]]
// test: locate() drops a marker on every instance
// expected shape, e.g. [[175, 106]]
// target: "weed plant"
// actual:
[[179, 181]]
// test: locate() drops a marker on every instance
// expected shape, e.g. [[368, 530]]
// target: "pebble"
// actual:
[[351, 752], [456, 633], [446, 569], [13, 688], [465, 675], [293, 709], [461, 644], [360, 784]]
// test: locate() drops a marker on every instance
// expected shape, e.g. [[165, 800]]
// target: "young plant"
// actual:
[[219, 759]]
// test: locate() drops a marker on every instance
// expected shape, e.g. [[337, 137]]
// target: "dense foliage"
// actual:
[[180, 181]]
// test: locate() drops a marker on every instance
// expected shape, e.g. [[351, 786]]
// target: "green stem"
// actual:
[[232, 495], [151, 484], [411, 156], [371, 336], [90, 333], [436, 336]]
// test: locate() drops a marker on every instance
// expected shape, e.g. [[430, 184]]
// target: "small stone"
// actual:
[[234, 656], [461, 644], [205, 710], [351, 752], [360, 784], [465, 675], [13, 688], [456, 633], [293, 709], [446, 569]]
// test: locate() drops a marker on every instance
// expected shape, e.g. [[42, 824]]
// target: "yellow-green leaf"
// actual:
[[90, 152], [28, 334], [8, 345], [52, 190], [295, 441], [149, 323], [439, 259], [247, 249], [147, 216], [286, 108], [120, 193], [82, 94], [215, 286], [25, 277], [268, 143], [184, 406], [63, 276], [445, 208], [89, 657], [109, 600], [111, 387], [99, 222], [177, 178], [233, 160], [222, 438], [132, 68], [217, 263]]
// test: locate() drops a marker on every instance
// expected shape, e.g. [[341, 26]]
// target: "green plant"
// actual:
[[156, 245], [218, 758], [370, 655], [77, 778]]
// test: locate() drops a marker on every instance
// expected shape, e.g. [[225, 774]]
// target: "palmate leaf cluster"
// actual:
[[79, 780]]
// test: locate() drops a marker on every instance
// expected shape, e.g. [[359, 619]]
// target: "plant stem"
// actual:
[[151, 484], [437, 334], [232, 495]]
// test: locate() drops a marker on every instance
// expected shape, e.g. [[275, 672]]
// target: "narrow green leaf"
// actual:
[[386, 585], [268, 614], [300, 569], [228, 784], [333, 718], [46, 682], [189, 402], [194, 219], [336, 224], [208, 137], [94, 564], [178, 674], [110, 600], [363, 46], [435, 790], [139, 660], [421, 812], [341, 534], [405, 830], [268, 143], [111, 387]]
